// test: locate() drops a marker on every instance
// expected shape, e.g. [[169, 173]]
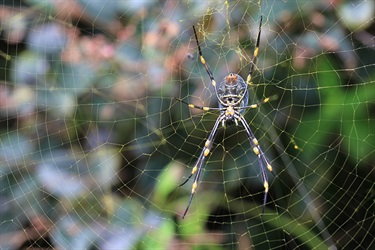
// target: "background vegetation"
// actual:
[[93, 146]]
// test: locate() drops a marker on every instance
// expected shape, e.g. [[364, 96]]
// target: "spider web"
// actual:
[[93, 144]]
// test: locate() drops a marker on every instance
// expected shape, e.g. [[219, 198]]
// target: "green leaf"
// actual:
[[167, 183], [160, 237], [357, 129], [301, 232], [316, 127]]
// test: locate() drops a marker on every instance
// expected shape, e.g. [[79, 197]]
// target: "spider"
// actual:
[[232, 95]]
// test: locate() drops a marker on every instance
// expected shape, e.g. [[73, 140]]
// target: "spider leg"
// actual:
[[261, 157], [255, 55], [203, 61], [193, 106], [197, 169], [197, 166], [255, 105]]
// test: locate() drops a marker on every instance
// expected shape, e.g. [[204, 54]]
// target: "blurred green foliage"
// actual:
[[93, 146]]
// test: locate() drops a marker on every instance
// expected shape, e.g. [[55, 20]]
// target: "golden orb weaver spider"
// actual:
[[233, 96]]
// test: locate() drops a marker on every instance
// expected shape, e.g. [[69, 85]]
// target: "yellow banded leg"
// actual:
[[255, 55], [197, 170]]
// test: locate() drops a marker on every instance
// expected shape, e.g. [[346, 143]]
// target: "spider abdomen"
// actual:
[[232, 90]]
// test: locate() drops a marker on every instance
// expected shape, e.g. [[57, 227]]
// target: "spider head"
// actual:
[[231, 79]]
